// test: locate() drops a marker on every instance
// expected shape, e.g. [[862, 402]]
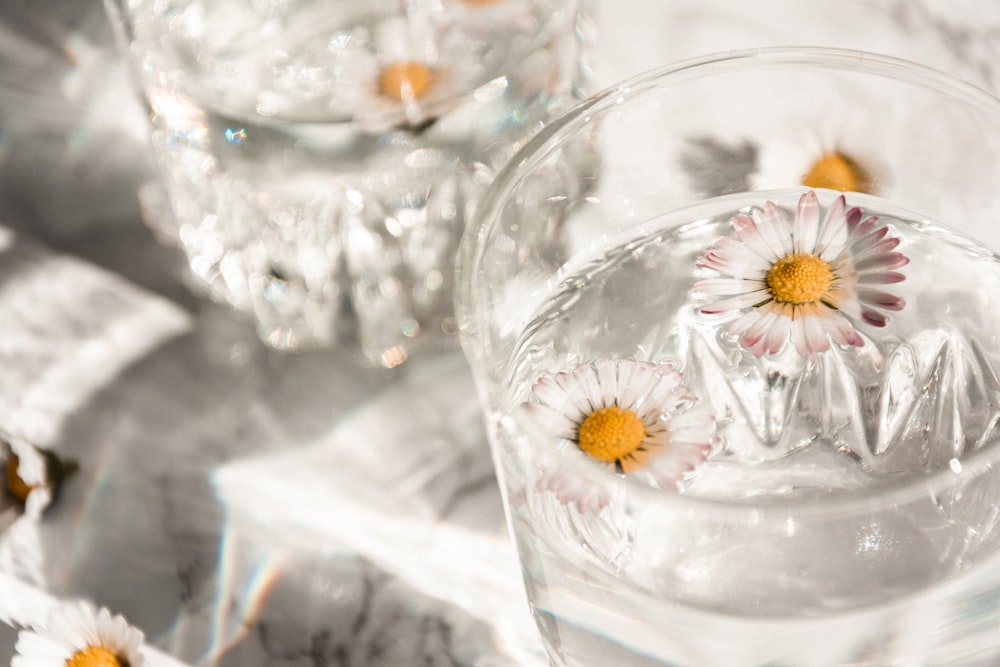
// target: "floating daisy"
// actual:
[[80, 635], [632, 417], [806, 280], [411, 79]]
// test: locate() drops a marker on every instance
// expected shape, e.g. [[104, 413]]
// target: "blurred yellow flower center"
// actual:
[[799, 278], [96, 656], [17, 486], [611, 433], [836, 171], [406, 80]]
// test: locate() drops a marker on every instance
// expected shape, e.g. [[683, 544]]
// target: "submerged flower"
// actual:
[[632, 417], [80, 635], [807, 279]]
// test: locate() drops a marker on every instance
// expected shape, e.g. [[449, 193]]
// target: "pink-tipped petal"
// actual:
[[777, 335], [738, 327], [873, 317], [774, 228], [757, 332], [736, 303], [806, 229], [815, 336], [749, 233], [881, 299], [852, 217], [559, 424], [841, 332], [884, 262], [833, 232], [725, 286], [881, 278]]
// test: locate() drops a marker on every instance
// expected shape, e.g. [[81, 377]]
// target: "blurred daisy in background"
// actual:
[[410, 79]]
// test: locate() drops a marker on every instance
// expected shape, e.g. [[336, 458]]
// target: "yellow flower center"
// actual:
[[406, 80], [96, 656], [799, 278], [611, 433], [17, 486], [836, 172]]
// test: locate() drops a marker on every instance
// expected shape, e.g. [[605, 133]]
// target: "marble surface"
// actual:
[[245, 507]]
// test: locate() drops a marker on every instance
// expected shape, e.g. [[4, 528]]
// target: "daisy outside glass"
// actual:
[[319, 159], [751, 426], [78, 634]]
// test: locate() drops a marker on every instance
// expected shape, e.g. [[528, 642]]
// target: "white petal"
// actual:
[[749, 232], [740, 326], [774, 228], [590, 387], [736, 303], [735, 258], [726, 286], [607, 376], [833, 232], [641, 382], [777, 334], [559, 424], [841, 331], [815, 336]]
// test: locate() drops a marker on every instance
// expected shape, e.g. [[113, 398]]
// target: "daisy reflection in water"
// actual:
[[634, 418], [80, 635], [808, 280]]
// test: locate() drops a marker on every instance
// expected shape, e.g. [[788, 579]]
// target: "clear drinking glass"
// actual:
[[734, 432], [320, 158]]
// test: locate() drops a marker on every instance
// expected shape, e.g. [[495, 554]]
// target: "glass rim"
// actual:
[[470, 311]]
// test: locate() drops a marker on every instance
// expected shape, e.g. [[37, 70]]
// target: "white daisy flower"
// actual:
[[411, 79], [568, 489], [80, 635], [806, 280], [632, 417]]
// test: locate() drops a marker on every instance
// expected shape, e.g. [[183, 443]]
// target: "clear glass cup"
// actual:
[[733, 432], [320, 159]]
